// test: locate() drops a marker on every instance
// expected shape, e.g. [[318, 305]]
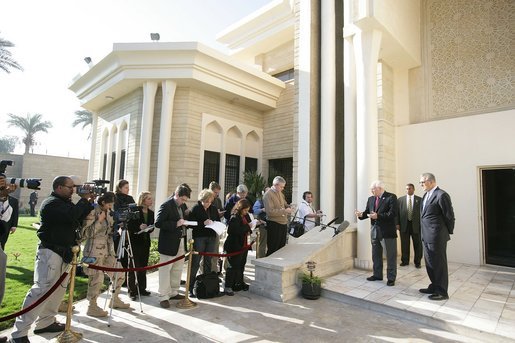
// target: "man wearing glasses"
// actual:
[[437, 223], [381, 208], [170, 221], [60, 220]]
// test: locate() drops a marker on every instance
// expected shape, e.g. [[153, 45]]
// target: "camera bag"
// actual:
[[207, 286]]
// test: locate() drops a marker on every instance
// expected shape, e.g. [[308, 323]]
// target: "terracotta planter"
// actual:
[[311, 291]]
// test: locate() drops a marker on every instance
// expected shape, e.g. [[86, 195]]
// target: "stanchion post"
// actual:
[[186, 302], [69, 336], [258, 233]]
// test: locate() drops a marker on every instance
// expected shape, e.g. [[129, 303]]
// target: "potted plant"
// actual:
[[311, 284]]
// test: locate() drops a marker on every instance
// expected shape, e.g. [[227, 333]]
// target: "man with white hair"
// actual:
[[277, 212], [241, 193], [381, 208]]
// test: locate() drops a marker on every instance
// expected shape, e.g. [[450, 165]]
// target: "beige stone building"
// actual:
[[332, 95]]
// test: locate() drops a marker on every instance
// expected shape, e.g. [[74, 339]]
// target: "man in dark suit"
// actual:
[[437, 223], [381, 208], [170, 222], [8, 214], [408, 224], [33, 200]]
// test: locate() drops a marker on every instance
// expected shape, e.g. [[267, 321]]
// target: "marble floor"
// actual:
[[481, 298]]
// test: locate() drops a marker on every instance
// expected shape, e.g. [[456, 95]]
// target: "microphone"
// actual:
[[345, 224]]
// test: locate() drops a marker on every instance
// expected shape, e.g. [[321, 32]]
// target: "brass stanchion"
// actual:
[[69, 336], [258, 233], [186, 302]]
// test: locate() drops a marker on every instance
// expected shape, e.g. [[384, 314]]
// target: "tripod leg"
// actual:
[[131, 259]]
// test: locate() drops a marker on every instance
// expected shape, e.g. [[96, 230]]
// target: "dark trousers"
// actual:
[[141, 252], [32, 210], [275, 236], [377, 254], [435, 256], [201, 244], [405, 245], [234, 273]]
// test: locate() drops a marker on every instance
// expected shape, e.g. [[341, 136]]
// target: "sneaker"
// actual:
[[54, 327]]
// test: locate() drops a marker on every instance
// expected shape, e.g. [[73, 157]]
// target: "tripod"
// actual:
[[120, 253]]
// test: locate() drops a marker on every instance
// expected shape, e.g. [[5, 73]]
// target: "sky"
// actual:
[[53, 37]]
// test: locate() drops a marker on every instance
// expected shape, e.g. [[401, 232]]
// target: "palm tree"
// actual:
[[30, 125], [6, 60], [83, 117]]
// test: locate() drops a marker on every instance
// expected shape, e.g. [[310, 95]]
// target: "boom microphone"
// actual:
[[345, 224], [328, 224]]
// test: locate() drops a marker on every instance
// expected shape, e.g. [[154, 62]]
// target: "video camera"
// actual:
[[96, 187], [32, 183], [128, 212]]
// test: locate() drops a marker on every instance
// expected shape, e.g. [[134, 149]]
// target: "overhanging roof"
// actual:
[[190, 64]]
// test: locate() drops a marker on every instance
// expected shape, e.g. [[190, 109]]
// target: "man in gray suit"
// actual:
[[437, 223], [408, 224], [381, 208]]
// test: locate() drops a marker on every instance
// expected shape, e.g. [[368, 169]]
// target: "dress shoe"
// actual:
[[438, 297], [54, 327], [404, 264], [177, 297], [390, 283], [192, 295], [418, 266], [425, 291], [145, 293], [164, 304], [244, 287], [373, 278], [228, 291], [133, 297], [23, 339]]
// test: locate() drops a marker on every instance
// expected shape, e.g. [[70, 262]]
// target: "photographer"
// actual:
[[60, 222], [98, 232], [121, 201], [8, 211]]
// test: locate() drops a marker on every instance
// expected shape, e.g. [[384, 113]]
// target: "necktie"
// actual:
[[376, 205], [410, 209]]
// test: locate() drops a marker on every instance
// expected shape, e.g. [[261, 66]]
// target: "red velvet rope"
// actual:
[[39, 301]]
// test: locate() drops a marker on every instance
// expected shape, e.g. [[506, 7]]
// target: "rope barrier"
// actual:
[[139, 269], [38, 302]]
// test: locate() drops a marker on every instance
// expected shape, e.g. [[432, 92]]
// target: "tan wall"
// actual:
[[42, 167], [386, 126]]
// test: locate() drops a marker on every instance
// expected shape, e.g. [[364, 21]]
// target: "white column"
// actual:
[[350, 181], [92, 153], [367, 44], [147, 118], [327, 109], [304, 98], [165, 134]]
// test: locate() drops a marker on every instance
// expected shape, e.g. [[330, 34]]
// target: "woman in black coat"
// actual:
[[204, 213], [238, 230], [140, 242]]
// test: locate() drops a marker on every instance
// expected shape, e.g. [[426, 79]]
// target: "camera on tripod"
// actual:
[[93, 187], [32, 183], [128, 212]]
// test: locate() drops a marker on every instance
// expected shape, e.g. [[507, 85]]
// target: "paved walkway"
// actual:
[[481, 298], [345, 313]]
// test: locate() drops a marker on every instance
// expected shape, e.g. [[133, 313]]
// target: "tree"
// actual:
[[7, 144], [83, 117], [6, 60], [30, 125]]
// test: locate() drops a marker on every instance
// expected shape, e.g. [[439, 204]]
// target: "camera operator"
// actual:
[[8, 211], [60, 222], [98, 232], [122, 200]]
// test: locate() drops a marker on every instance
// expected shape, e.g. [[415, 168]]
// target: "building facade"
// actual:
[[332, 95]]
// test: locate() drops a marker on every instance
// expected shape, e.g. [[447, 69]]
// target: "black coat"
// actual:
[[437, 217], [5, 226], [200, 215], [386, 213], [237, 232], [169, 233], [142, 239]]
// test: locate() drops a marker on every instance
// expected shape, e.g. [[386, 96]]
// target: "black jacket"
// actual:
[[386, 213], [60, 219], [169, 233], [237, 232], [200, 215]]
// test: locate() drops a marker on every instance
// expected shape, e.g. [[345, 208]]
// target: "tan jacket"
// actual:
[[275, 206]]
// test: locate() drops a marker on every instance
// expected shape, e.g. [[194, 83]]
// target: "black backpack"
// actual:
[[207, 286]]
